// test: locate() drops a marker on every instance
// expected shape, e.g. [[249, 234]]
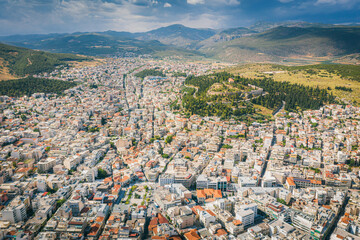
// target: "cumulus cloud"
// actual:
[[331, 1], [205, 20], [214, 2], [143, 2], [232, 2], [76, 15], [45, 16], [194, 2], [97, 15], [342, 3]]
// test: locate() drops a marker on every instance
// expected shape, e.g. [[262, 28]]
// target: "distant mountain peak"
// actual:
[[177, 25]]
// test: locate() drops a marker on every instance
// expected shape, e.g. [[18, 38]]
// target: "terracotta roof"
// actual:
[[290, 181], [211, 213], [221, 232], [237, 222], [94, 229], [192, 235], [195, 208], [209, 193]]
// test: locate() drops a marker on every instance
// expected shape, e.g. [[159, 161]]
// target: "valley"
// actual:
[[179, 120]]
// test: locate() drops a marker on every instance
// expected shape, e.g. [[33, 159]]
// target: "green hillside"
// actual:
[[149, 72], [21, 61], [351, 72], [342, 81], [28, 86], [236, 99]]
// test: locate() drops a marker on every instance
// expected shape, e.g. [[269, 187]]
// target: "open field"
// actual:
[[93, 63], [223, 88], [263, 111], [321, 79], [4, 72]]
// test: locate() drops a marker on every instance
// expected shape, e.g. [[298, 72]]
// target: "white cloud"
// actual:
[[77, 15], [204, 20], [24, 16], [194, 2], [218, 2], [335, 2], [28, 16], [143, 2], [232, 2]]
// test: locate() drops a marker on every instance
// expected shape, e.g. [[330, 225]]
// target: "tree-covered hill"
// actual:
[[22, 61], [28, 86], [295, 96], [149, 72]]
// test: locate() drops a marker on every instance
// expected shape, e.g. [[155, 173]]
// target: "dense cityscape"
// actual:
[[112, 158]]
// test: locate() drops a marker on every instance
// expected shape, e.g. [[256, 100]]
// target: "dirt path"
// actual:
[[193, 87]]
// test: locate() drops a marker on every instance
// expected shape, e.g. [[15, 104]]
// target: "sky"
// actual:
[[68, 16]]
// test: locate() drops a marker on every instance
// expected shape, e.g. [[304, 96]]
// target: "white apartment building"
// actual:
[[46, 164], [247, 217]]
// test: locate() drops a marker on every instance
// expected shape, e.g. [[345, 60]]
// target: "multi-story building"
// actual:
[[216, 183], [247, 217], [16, 210], [14, 214], [46, 164]]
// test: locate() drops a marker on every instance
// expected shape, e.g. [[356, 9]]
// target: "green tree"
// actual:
[[28, 86], [103, 121], [227, 146], [102, 173], [60, 202], [282, 201], [149, 72], [169, 139]]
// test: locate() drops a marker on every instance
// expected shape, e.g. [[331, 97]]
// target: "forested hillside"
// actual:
[[28, 86], [226, 105], [22, 61], [149, 72]]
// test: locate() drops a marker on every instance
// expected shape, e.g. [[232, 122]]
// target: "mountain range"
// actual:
[[262, 41]]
